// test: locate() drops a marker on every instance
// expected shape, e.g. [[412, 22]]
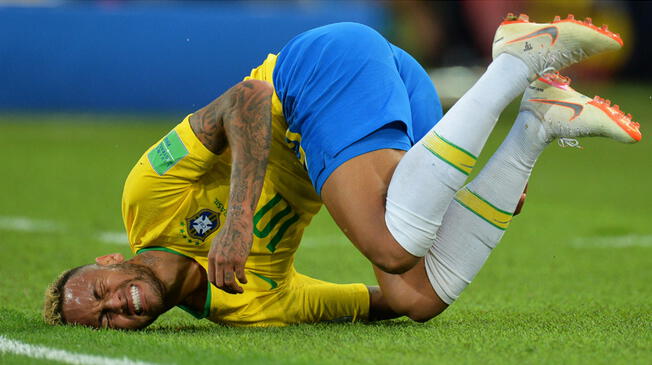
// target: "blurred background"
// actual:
[[87, 86], [176, 56]]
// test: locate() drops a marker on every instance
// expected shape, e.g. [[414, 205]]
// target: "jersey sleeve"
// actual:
[[160, 191], [179, 156]]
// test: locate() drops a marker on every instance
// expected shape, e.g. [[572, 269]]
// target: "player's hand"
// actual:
[[521, 202], [227, 256]]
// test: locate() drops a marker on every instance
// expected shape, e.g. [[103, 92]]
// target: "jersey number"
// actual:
[[274, 214]]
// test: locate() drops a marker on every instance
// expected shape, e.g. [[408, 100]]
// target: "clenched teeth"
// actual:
[[135, 296]]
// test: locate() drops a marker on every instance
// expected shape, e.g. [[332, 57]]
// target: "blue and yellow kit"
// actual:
[[345, 91], [175, 199], [340, 91]]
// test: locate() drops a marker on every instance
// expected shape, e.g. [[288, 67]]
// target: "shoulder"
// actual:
[[251, 88]]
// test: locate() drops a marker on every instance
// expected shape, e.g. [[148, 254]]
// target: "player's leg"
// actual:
[[430, 174], [477, 218], [480, 213], [437, 166], [410, 294], [379, 308], [352, 112], [326, 297], [354, 195], [309, 300]]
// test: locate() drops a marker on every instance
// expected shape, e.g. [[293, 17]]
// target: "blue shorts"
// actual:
[[347, 91]]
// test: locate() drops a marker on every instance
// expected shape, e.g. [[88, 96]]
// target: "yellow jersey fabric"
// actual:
[[176, 198]]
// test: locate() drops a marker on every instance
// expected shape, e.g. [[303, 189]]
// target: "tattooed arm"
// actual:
[[240, 119]]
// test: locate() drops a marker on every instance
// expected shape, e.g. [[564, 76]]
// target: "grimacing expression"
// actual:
[[121, 296]]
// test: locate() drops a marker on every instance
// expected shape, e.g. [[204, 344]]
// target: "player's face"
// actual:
[[122, 296]]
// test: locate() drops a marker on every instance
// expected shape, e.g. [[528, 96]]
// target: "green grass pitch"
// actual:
[[571, 282]]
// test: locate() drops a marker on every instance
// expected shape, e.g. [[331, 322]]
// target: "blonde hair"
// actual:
[[54, 297]]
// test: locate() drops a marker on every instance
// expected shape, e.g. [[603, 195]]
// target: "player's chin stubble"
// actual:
[[144, 274]]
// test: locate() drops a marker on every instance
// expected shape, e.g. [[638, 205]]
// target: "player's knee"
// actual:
[[397, 264], [379, 246], [424, 314], [391, 257], [418, 305], [422, 309]]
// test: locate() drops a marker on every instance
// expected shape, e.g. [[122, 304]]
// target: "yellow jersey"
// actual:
[[176, 198]]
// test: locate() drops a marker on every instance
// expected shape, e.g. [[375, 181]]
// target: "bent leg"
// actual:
[[354, 195], [379, 308], [481, 212], [394, 224], [410, 294], [310, 300], [432, 171], [472, 226]]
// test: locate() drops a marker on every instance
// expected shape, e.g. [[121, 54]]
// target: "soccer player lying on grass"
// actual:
[[330, 119]]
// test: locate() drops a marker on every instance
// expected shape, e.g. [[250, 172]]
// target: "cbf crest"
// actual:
[[202, 224]]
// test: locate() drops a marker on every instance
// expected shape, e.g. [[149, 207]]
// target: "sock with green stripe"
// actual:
[[481, 212], [426, 179]]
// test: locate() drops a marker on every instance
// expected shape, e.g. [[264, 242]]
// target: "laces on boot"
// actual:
[[569, 142]]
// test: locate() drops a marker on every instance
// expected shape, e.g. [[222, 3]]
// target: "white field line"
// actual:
[[47, 353], [24, 224], [114, 238], [630, 240]]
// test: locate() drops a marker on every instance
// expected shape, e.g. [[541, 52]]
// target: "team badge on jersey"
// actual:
[[202, 224]]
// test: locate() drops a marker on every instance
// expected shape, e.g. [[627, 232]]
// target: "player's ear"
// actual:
[[110, 259]]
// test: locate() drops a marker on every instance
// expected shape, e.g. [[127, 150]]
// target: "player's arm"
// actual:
[[241, 120]]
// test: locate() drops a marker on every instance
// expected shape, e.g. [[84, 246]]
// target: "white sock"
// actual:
[[430, 173], [478, 216]]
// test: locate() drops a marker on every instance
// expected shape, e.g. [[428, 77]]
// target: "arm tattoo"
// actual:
[[208, 125], [249, 136], [241, 119]]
